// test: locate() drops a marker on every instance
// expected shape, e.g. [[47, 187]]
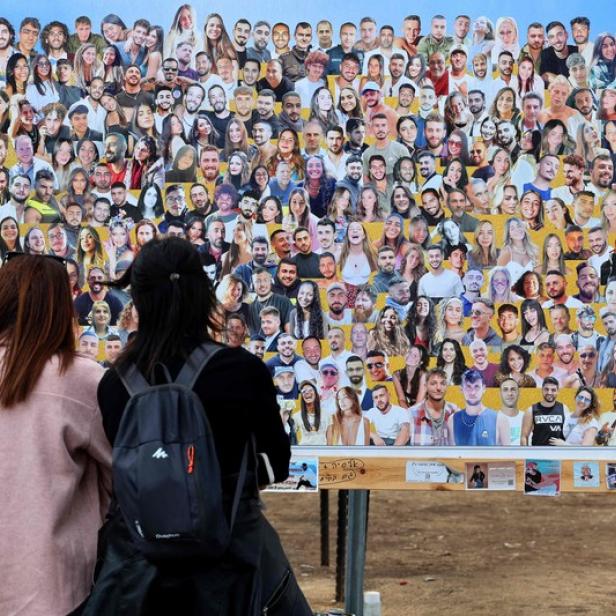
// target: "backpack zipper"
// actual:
[[190, 453], [278, 592]]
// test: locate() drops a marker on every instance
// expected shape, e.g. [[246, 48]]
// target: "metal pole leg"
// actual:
[[367, 513], [343, 499], [356, 553], [324, 501]]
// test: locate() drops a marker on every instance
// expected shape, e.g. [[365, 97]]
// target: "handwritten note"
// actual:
[[341, 471]]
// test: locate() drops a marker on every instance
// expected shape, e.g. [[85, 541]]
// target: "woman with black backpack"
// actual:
[[196, 430]]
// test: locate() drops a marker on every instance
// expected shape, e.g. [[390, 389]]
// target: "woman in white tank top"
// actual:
[[348, 426]]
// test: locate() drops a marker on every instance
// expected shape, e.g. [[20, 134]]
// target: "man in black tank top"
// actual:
[[546, 418]]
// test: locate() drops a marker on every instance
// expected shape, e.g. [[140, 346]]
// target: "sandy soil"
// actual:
[[432, 553]]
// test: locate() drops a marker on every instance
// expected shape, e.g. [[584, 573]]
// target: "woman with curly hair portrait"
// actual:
[[388, 334]]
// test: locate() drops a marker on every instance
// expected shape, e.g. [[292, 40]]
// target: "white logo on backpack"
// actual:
[[160, 454]]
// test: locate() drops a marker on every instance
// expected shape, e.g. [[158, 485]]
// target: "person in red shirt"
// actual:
[[438, 74]]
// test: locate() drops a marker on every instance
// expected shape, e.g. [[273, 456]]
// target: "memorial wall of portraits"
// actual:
[[411, 224]]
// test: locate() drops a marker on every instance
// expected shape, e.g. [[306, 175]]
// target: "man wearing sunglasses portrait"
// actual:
[[586, 374], [376, 363], [96, 292]]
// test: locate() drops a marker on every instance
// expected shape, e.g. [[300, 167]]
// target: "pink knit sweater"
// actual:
[[55, 484]]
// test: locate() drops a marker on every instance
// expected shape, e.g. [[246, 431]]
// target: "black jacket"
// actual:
[[290, 292], [238, 585]]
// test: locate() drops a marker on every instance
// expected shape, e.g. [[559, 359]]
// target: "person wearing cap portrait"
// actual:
[[286, 385], [459, 80], [337, 301], [372, 97], [330, 383]]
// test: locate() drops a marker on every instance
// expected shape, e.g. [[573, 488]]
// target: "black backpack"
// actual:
[[166, 474]]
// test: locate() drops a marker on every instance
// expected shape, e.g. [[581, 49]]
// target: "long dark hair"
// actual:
[[166, 136], [533, 304], [10, 70], [394, 210], [159, 209], [175, 174], [175, 302], [135, 128], [410, 329], [276, 200], [316, 314], [160, 37], [150, 144], [535, 137], [38, 82], [194, 131], [317, 406], [253, 181], [3, 247], [462, 184], [411, 393], [459, 364], [33, 290]]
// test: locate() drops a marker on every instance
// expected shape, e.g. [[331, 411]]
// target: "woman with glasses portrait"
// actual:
[[43, 89]]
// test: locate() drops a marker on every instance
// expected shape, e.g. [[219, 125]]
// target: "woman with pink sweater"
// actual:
[[55, 461]]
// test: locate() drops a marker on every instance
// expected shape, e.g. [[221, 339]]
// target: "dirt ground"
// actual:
[[435, 553]]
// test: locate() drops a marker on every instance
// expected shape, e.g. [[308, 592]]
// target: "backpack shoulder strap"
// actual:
[[196, 362], [250, 449], [133, 380]]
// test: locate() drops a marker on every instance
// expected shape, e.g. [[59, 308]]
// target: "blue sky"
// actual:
[[600, 12]]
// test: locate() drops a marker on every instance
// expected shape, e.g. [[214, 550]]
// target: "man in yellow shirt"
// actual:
[[43, 200]]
